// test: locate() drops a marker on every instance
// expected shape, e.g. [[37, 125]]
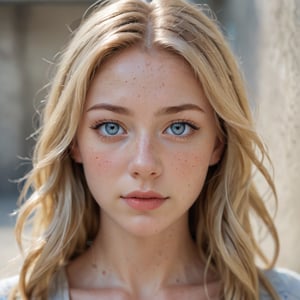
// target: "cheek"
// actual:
[[96, 162], [104, 164], [189, 172], [187, 164]]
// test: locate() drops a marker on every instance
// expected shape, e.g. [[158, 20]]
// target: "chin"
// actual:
[[144, 226]]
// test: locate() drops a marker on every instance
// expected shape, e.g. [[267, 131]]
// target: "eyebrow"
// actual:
[[164, 111], [178, 108], [114, 108]]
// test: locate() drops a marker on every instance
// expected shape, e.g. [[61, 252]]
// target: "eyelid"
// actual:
[[192, 124], [98, 123]]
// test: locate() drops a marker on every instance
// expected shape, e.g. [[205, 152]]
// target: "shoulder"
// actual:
[[6, 286], [59, 288], [285, 282]]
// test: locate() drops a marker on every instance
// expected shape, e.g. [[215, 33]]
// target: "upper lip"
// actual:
[[144, 195]]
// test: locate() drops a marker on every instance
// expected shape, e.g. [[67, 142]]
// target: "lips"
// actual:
[[144, 201]]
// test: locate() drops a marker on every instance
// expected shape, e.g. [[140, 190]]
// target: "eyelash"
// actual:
[[193, 127]]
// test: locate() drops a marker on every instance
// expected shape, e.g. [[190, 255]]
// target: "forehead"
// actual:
[[145, 60], [152, 75]]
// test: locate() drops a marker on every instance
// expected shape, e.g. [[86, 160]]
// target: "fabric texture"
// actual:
[[285, 282]]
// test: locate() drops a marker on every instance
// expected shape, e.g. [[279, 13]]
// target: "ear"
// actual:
[[75, 152], [217, 152]]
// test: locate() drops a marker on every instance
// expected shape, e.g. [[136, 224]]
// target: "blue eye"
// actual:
[[181, 129], [178, 128], [110, 129]]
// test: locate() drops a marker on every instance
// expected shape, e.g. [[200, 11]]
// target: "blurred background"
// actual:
[[263, 34]]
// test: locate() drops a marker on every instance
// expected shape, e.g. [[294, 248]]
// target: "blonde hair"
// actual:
[[60, 205]]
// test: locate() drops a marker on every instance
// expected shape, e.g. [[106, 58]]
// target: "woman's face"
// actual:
[[146, 140]]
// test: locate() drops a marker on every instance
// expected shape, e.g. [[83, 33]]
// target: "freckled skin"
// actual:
[[146, 156]]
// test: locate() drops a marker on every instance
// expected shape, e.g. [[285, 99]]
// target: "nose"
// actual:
[[145, 163]]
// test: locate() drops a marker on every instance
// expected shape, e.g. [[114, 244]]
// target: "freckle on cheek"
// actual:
[[102, 163], [105, 162]]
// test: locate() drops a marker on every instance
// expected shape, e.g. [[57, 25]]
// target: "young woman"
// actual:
[[142, 180]]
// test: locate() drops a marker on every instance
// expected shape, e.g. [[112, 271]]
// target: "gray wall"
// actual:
[[30, 36]]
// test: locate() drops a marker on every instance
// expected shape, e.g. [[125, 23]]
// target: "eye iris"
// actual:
[[178, 128], [111, 128]]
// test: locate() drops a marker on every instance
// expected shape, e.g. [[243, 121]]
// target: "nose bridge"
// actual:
[[144, 150], [145, 157]]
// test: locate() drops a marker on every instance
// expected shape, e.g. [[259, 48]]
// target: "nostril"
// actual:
[[144, 173]]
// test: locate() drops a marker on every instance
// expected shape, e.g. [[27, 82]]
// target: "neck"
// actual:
[[158, 260]]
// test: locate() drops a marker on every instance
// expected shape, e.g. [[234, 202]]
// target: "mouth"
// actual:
[[144, 201]]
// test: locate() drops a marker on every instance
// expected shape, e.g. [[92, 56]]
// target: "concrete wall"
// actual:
[[278, 111], [30, 36]]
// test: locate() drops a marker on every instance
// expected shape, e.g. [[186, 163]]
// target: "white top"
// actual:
[[285, 282]]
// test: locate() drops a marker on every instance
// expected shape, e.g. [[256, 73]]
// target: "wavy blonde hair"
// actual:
[[60, 205]]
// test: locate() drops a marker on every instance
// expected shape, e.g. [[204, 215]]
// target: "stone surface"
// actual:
[[278, 109]]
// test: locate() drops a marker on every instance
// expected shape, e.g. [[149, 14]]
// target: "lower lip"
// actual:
[[143, 204]]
